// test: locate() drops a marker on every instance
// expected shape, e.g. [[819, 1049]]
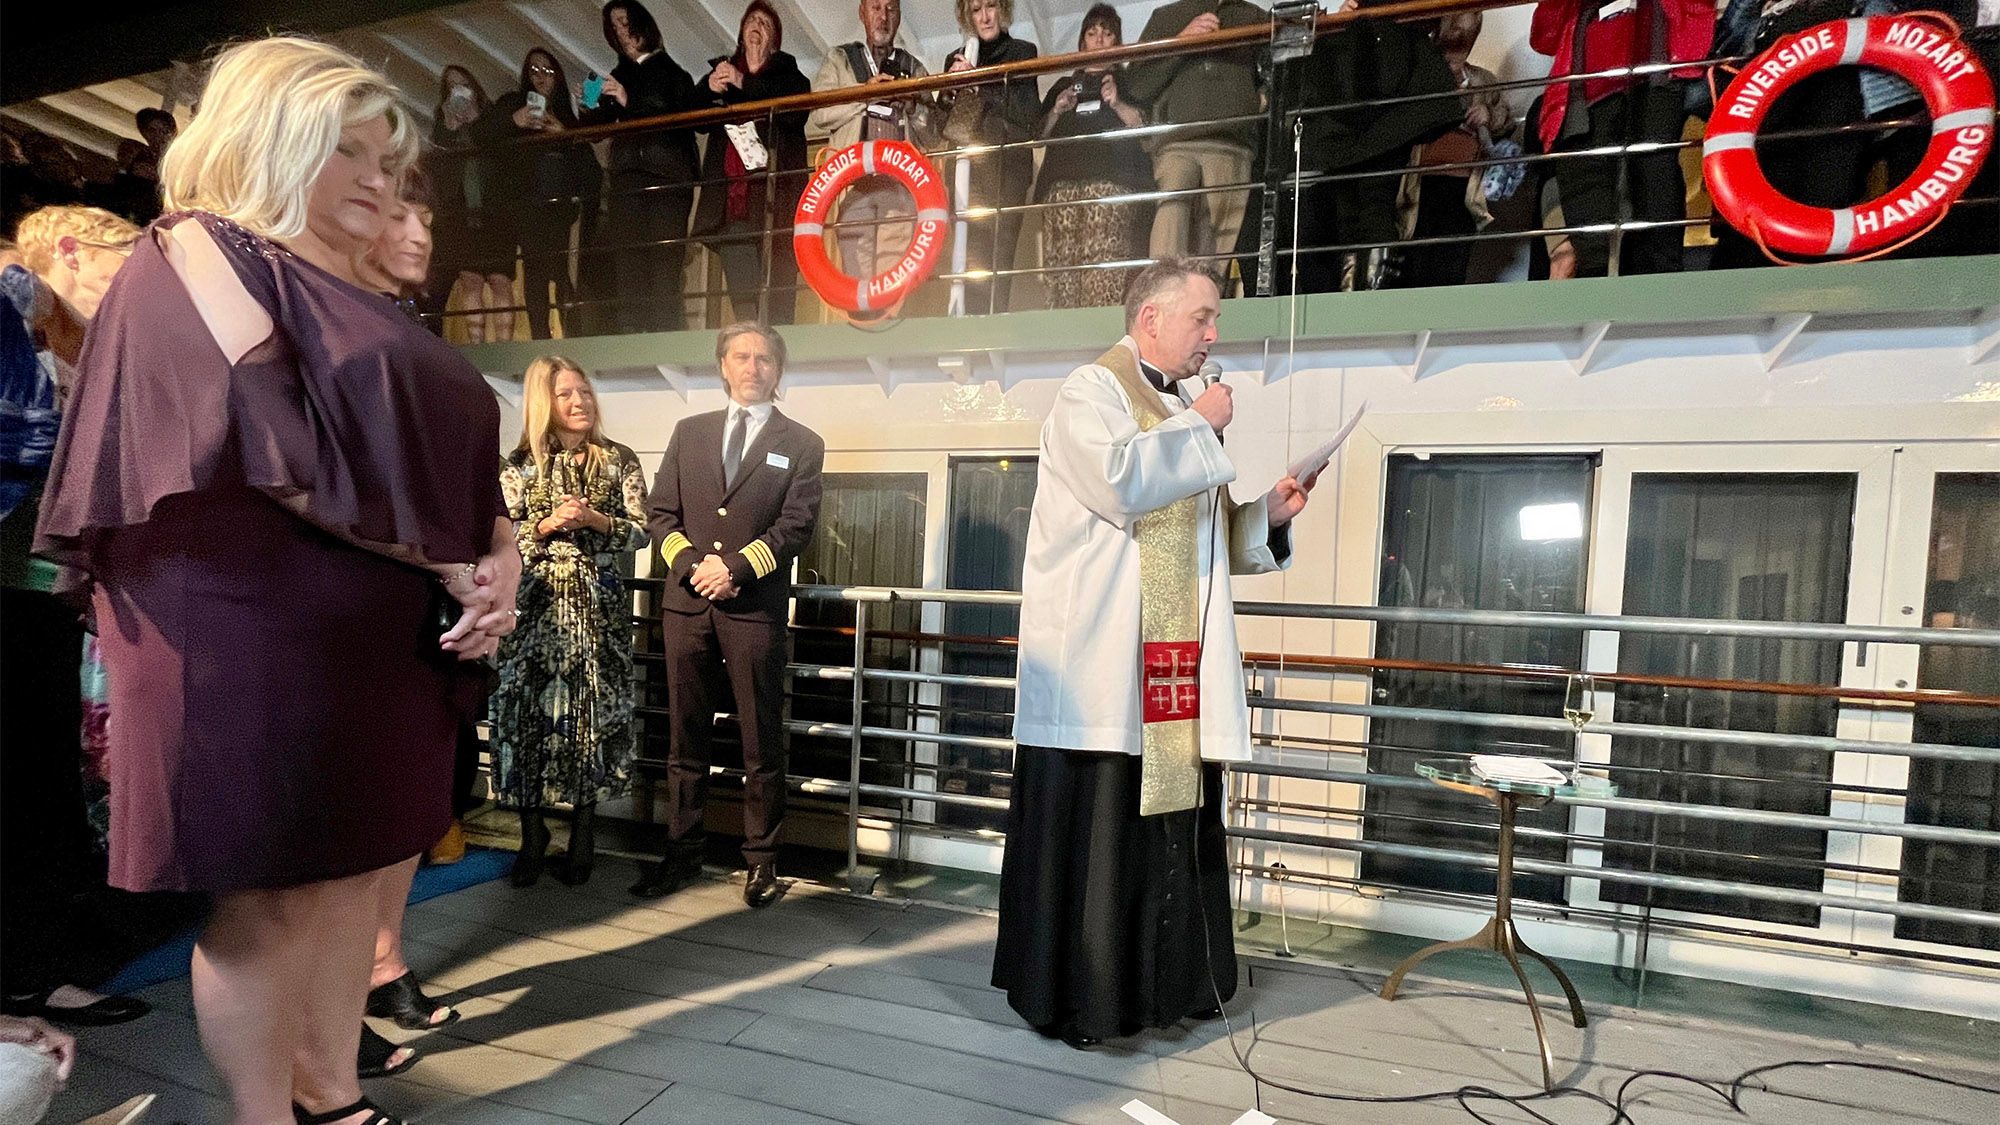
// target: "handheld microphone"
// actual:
[[1210, 374]]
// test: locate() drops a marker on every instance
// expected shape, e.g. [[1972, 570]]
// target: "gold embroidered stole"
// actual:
[[1169, 625]]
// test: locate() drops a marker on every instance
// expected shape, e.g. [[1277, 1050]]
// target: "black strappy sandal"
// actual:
[[375, 1115], [403, 1001], [373, 1059]]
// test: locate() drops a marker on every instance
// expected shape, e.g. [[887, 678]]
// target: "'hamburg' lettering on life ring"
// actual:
[[1924, 49], [901, 162]]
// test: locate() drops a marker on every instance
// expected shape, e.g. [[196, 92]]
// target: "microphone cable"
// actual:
[[1730, 1092], [1472, 1094]]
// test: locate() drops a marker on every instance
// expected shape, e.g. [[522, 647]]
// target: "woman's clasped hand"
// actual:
[[485, 591]]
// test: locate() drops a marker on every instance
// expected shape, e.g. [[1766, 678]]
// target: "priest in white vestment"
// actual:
[[1114, 894]]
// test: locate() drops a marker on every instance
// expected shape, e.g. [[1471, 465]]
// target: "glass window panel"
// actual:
[[1962, 591], [870, 533], [1474, 532], [990, 499], [1746, 547]]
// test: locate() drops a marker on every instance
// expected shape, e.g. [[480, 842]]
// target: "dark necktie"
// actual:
[[732, 450]]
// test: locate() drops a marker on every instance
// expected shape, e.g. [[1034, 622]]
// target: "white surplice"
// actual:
[[1080, 642]]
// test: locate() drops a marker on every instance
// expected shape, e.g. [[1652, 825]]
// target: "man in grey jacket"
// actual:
[[871, 250]]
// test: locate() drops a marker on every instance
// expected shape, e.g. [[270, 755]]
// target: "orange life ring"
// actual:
[[903, 163], [1924, 49]]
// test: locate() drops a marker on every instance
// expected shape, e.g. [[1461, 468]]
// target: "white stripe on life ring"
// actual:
[[1963, 119], [1843, 232], [861, 295], [1857, 41], [868, 157], [1728, 141], [933, 215], [808, 230]]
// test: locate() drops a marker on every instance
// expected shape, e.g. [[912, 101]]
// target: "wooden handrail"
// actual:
[[1394, 664], [1690, 683], [1403, 10]]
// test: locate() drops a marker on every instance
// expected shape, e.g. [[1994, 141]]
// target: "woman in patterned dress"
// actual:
[[1082, 232], [562, 716]]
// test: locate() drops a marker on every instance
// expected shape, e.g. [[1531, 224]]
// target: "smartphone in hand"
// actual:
[[593, 89], [538, 106]]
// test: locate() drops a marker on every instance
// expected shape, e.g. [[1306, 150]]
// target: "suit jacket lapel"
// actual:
[[753, 456]]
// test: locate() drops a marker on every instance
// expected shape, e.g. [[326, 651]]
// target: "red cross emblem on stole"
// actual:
[[1171, 688]]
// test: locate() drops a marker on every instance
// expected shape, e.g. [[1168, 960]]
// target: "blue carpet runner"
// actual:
[[171, 960]]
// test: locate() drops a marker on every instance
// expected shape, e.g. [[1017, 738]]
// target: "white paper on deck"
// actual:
[[1316, 460]]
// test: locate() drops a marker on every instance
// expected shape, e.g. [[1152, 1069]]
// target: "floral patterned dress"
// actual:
[[562, 714]]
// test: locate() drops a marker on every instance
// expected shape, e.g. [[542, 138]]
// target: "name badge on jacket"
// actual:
[[777, 460]]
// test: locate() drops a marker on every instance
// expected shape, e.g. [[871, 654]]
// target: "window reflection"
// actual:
[[1453, 538]]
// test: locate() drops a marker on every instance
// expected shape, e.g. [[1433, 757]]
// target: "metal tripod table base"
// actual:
[[1499, 935]]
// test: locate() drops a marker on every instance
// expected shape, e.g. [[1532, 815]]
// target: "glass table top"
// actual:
[[1459, 773]]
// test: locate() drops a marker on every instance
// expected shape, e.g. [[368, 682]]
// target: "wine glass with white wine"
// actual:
[[1580, 700]]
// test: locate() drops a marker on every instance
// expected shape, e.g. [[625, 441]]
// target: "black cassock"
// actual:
[[1102, 910]]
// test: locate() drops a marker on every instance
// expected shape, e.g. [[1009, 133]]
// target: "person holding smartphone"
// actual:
[[1081, 231], [475, 220], [558, 179], [652, 174]]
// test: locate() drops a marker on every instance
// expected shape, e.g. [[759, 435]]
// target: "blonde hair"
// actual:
[[271, 115], [965, 8], [538, 418], [42, 231]]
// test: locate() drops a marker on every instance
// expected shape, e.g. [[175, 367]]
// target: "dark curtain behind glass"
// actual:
[[870, 533], [1453, 537], [990, 498], [1741, 547], [1963, 592]]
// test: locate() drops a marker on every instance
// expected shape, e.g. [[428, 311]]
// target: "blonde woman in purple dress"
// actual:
[[282, 492]]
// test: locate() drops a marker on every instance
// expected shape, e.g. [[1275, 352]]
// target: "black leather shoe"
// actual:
[[533, 852], [403, 1002], [658, 880], [376, 1058], [761, 887], [1080, 1041], [1206, 1014], [97, 1013], [573, 867]]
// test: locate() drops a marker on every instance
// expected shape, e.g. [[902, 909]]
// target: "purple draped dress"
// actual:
[[280, 711]]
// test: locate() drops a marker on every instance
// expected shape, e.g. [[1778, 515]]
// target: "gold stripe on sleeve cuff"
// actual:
[[762, 561], [673, 545]]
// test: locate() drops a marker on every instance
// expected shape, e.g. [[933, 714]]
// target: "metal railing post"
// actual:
[[860, 880]]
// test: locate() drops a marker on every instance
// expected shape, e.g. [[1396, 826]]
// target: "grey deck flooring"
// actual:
[[583, 1005]]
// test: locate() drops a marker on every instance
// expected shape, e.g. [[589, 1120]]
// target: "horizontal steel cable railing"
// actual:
[[896, 805], [1277, 178]]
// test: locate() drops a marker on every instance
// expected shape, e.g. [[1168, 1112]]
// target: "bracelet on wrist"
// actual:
[[467, 571]]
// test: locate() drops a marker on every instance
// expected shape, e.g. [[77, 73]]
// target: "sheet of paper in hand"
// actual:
[[1313, 462]]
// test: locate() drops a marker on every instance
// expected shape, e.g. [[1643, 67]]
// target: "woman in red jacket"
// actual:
[[1586, 36]]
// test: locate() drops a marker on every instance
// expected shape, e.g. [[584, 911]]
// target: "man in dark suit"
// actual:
[[735, 501]]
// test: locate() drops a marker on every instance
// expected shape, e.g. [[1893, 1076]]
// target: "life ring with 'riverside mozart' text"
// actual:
[[903, 163], [1924, 49]]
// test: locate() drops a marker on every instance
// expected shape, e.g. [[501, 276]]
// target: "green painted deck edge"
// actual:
[[1927, 286]]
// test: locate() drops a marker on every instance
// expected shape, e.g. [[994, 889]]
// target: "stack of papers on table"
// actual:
[[1505, 767]]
